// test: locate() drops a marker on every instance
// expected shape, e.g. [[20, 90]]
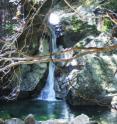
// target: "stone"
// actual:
[[55, 121], [32, 74], [1, 121], [30, 119], [97, 78], [114, 102], [81, 119], [14, 121]]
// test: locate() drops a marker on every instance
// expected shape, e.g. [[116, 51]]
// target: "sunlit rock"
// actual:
[[56, 121], [14, 121], [81, 119], [1, 121], [114, 102], [30, 119], [74, 62]]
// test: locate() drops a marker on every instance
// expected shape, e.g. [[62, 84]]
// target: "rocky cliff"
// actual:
[[87, 80]]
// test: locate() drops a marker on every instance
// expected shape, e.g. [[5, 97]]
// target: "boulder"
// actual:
[[1, 121], [96, 80], [114, 102], [81, 119], [30, 119], [14, 121], [96, 83], [56, 121]]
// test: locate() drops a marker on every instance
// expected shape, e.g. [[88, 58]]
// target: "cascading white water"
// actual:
[[48, 92]]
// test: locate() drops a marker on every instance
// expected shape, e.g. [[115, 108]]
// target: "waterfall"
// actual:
[[48, 92]]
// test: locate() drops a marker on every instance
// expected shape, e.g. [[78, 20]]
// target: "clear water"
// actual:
[[44, 110]]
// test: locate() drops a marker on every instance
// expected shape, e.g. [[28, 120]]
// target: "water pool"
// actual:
[[44, 110]]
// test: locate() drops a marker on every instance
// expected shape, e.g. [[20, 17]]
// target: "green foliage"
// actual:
[[87, 3], [83, 30], [77, 24], [83, 27], [9, 28], [111, 4], [107, 25], [5, 115]]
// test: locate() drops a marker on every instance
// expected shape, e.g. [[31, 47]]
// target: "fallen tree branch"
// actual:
[[13, 61]]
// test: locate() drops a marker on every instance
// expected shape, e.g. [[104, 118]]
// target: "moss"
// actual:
[[83, 30], [87, 3], [107, 25], [77, 24], [5, 115], [83, 27]]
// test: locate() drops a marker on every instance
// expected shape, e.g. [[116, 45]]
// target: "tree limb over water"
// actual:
[[14, 61]]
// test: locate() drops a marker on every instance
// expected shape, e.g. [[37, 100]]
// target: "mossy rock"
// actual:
[[77, 30]]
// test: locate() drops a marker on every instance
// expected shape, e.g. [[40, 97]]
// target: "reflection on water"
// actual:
[[44, 110]]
